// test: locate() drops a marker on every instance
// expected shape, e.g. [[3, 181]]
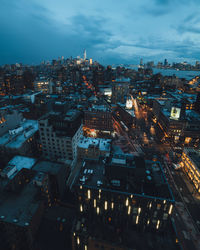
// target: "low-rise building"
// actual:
[[93, 148], [22, 140], [21, 206], [9, 119]]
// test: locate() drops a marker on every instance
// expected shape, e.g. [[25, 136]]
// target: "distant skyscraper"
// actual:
[[85, 55], [141, 62], [165, 62]]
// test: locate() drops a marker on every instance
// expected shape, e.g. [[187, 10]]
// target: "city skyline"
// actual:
[[111, 32]]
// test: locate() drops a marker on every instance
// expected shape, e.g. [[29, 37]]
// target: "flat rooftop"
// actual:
[[126, 174], [19, 208], [47, 167], [71, 114], [102, 144], [16, 137], [191, 115], [99, 108], [122, 79], [16, 164]]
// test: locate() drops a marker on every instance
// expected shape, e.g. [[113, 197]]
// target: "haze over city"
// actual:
[[111, 31]]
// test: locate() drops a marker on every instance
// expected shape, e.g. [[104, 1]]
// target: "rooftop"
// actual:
[[48, 167], [19, 208], [122, 79], [16, 164], [192, 115], [87, 142], [126, 174], [16, 137], [99, 108], [70, 115]]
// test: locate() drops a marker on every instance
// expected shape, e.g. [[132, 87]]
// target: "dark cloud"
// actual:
[[33, 36], [174, 2], [156, 11], [31, 33], [163, 7], [190, 24]]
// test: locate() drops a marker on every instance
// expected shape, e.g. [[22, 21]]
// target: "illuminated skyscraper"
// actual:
[[85, 55]]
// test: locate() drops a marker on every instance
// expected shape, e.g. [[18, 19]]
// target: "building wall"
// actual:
[[20, 237], [99, 120], [58, 147], [119, 92], [91, 152], [9, 120], [125, 209], [191, 169]]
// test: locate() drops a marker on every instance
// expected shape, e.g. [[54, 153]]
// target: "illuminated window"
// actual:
[[158, 206], [170, 209]]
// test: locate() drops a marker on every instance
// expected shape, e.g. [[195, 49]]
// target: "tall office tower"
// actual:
[[59, 134], [85, 55], [141, 62], [119, 198], [165, 62]]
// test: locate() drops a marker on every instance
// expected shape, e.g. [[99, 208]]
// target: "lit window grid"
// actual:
[[192, 171], [160, 210]]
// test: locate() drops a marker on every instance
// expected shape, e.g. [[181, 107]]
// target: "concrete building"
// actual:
[[22, 140], [121, 194], [9, 119], [120, 90], [51, 177], [21, 208], [175, 122], [191, 165], [27, 187], [93, 148], [98, 120], [59, 135], [44, 85]]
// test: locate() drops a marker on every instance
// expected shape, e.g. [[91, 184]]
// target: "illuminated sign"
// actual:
[[175, 113], [129, 104]]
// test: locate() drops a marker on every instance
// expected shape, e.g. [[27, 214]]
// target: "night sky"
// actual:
[[112, 31]]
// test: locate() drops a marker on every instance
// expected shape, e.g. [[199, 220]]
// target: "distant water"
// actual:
[[169, 72], [179, 73]]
